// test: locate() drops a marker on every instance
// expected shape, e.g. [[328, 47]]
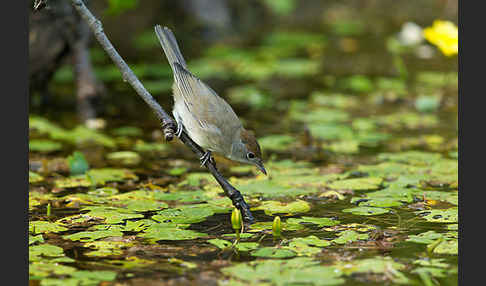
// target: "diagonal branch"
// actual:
[[168, 124]]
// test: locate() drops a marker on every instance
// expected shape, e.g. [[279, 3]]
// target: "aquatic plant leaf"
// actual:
[[447, 247], [78, 164], [39, 226], [33, 239], [295, 271], [366, 211], [44, 146], [313, 240], [185, 214], [146, 147], [128, 158], [162, 231], [348, 236], [272, 252], [331, 131], [246, 246], [273, 207], [277, 142], [220, 243], [86, 236], [357, 184], [104, 175], [319, 221], [111, 215], [130, 131], [447, 215], [34, 178], [49, 250], [182, 196], [106, 248], [378, 265]]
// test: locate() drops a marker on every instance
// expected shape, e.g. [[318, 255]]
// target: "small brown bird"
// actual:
[[207, 118]]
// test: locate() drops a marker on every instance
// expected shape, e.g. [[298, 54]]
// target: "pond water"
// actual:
[[359, 138]]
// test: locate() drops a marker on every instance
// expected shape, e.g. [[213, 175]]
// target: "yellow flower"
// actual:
[[444, 35]]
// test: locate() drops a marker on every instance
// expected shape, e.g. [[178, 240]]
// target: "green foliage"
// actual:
[[78, 164], [117, 7]]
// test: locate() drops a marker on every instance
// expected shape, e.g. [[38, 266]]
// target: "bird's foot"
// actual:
[[170, 128], [204, 159], [179, 130]]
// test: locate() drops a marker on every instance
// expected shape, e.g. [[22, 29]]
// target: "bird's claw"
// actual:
[[169, 128], [204, 159]]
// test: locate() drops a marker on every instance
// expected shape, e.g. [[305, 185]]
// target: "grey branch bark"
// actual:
[[168, 123]]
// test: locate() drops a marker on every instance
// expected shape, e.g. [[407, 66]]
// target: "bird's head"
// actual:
[[245, 149]]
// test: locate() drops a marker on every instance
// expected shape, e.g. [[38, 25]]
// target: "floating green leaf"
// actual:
[[45, 146], [366, 211], [272, 252], [358, 184], [273, 207], [348, 236]]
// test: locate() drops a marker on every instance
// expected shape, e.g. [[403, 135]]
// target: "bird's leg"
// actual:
[[205, 158]]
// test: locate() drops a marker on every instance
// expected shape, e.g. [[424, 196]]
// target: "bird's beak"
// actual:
[[260, 166]]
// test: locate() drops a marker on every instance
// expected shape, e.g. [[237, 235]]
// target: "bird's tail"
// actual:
[[171, 49]]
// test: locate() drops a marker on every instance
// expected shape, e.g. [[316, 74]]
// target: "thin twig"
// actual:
[[168, 124]]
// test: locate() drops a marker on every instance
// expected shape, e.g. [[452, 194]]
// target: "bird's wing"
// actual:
[[203, 102]]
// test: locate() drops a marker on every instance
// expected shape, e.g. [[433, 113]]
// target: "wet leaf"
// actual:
[[104, 175], [358, 184], [272, 252], [319, 221], [348, 236], [273, 207], [184, 214], [106, 248], [277, 142], [34, 178], [77, 163], [296, 271], [378, 265], [220, 243], [49, 250], [366, 211], [86, 236], [447, 216], [44, 146], [158, 232], [33, 239], [128, 158], [39, 226]]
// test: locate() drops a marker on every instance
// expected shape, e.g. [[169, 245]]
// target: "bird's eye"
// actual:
[[250, 155]]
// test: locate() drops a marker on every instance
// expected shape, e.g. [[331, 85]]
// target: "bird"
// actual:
[[203, 115]]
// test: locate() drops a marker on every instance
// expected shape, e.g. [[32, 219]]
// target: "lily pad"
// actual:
[[39, 226], [162, 231], [128, 158], [348, 236], [358, 184], [366, 211], [273, 207], [34, 178], [296, 271], [184, 214], [319, 221], [272, 252], [44, 146], [448, 215], [277, 142], [86, 236]]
